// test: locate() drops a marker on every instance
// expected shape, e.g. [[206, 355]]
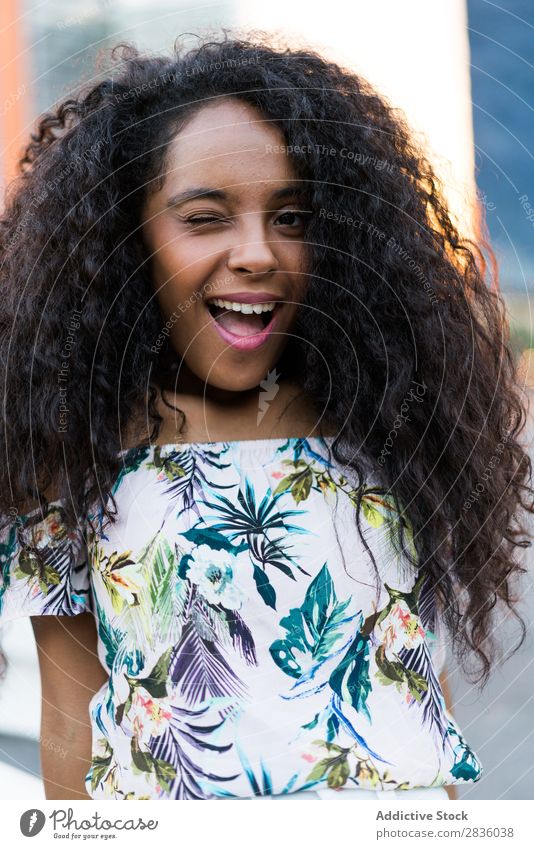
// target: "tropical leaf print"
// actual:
[[8, 548], [198, 667], [212, 539], [310, 653], [254, 522], [273, 552], [121, 575], [379, 510], [169, 465], [214, 597], [115, 641], [317, 473], [181, 715], [301, 446], [312, 629], [377, 507], [161, 593], [304, 477], [159, 769], [104, 770], [30, 568], [249, 517], [161, 568], [260, 785], [155, 683], [350, 679], [434, 715], [335, 767], [190, 472], [466, 766], [342, 764], [397, 672], [132, 460], [264, 586], [299, 481], [418, 662], [394, 629], [400, 628], [47, 560], [162, 733], [184, 733]]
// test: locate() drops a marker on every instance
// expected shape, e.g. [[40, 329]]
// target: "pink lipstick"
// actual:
[[246, 341]]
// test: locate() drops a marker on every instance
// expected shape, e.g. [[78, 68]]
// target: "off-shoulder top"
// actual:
[[238, 621]]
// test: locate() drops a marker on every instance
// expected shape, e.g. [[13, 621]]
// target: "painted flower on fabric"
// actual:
[[122, 576], [132, 796], [50, 529], [213, 572], [53, 524], [101, 748], [148, 716], [401, 629]]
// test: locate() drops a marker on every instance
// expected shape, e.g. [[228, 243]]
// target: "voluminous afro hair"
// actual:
[[401, 339]]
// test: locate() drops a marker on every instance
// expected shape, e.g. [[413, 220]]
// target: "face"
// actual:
[[225, 234]]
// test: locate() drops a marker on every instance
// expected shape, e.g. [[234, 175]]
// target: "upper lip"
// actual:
[[247, 297]]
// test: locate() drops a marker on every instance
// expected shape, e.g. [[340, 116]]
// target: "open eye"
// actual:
[[293, 217]]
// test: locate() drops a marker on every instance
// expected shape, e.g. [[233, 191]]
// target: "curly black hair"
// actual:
[[402, 337]]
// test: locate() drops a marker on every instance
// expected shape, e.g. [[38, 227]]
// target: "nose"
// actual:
[[251, 253]]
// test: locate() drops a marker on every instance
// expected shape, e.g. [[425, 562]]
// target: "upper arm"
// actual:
[[71, 674], [71, 671]]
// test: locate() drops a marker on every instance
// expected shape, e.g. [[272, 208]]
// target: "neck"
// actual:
[[181, 381]]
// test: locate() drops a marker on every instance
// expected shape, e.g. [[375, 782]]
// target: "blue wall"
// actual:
[[502, 78]]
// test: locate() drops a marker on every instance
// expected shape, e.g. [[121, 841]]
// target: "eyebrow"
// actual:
[[219, 194]]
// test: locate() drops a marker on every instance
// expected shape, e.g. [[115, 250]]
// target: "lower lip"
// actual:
[[246, 343]]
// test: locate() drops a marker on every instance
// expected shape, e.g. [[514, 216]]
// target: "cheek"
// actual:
[[294, 259], [176, 259], [180, 274]]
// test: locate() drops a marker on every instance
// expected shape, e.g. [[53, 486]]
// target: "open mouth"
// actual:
[[242, 319]]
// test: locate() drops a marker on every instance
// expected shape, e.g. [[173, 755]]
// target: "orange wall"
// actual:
[[15, 89]]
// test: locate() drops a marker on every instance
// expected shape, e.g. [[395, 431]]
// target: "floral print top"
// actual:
[[237, 616]]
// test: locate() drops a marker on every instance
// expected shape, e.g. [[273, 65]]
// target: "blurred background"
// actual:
[[463, 72]]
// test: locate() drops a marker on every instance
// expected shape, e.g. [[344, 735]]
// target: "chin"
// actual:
[[235, 385], [235, 382]]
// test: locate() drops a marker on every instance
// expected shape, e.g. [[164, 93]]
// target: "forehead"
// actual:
[[225, 144]]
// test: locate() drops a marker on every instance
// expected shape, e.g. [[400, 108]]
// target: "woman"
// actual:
[[249, 237]]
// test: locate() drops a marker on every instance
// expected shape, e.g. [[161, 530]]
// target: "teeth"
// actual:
[[245, 308]]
